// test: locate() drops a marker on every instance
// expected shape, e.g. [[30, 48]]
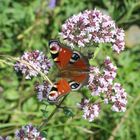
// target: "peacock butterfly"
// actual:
[[73, 69]]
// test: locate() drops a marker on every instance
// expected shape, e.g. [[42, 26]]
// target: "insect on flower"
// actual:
[[73, 69]]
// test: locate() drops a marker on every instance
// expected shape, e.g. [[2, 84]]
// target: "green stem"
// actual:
[[45, 121], [10, 125]]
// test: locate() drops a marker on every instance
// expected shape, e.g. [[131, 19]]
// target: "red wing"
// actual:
[[69, 61], [60, 54], [82, 66], [63, 87], [64, 57], [81, 78], [60, 89]]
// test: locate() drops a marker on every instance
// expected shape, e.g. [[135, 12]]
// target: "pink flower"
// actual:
[[90, 110], [99, 81], [119, 99], [28, 132], [103, 83], [42, 90], [92, 26], [37, 61]]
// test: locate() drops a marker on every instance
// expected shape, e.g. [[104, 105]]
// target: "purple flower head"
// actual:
[[42, 90], [52, 4], [102, 82], [92, 27], [28, 132], [90, 110], [99, 81], [119, 99], [36, 61]]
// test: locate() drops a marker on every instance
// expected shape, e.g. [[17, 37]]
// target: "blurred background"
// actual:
[[29, 25]]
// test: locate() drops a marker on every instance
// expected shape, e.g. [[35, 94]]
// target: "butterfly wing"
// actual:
[[60, 89], [68, 61], [61, 55], [81, 66]]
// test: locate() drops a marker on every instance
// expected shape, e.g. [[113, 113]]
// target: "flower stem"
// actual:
[[45, 121]]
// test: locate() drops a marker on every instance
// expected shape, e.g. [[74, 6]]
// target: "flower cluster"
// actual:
[[119, 99], [42, 90], [91, 111], [92, 26], [31, 63], [28, 132], [102, 82]]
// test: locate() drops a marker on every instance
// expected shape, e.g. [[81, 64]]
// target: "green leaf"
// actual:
[[44, 134], [68, 112], [45, 113], [11, 94], [30, 105]]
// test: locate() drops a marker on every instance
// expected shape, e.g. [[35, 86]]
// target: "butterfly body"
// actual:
[[73, 69]]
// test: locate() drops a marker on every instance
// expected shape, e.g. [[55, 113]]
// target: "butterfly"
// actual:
[[73, 68]]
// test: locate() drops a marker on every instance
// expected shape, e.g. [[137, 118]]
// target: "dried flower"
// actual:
[[90, 110], [28, 132], [42, 90], [37, 61], [92, 26]]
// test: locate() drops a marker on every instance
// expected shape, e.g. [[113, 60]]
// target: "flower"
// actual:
[[42, 90], [91, 111], [92, 26], [36, 61], [102, 82], [119, 99], [99, 82], [28, 132], [52, 4]]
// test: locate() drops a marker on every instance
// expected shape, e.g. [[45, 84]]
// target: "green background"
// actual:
[[28, 25]]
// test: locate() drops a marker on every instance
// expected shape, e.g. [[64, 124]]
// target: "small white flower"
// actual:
[[91, 111]]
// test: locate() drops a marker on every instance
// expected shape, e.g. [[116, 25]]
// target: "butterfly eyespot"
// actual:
[[54, 47], [75, 57], [53, 95], [74, 85]]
